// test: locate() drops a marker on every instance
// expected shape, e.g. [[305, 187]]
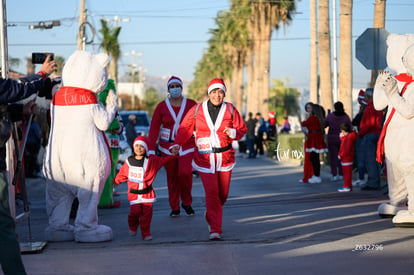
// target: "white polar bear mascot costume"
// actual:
[[77, 160], [397, 93]]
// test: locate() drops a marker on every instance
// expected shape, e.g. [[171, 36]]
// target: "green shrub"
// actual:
[[289, 146]]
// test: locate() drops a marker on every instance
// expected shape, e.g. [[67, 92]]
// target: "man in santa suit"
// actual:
[[215, 124], [164, 125]]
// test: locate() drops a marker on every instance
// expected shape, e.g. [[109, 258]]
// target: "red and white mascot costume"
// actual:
[[397, 93]]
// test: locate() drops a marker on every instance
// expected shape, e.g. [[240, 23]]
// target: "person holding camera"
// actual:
[[12, 90]]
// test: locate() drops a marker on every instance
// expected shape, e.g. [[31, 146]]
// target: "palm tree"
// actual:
[[111, 47], [313, 64], [325, 55], [345, 46], [265, 17], [235, 40], [379, 22]]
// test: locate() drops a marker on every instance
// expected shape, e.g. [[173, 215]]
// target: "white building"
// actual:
[[130, 88]]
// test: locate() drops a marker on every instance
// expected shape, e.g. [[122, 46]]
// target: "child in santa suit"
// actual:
[[346, 155], [140, 171]]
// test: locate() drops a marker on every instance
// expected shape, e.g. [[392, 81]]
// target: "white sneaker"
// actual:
[[358, 182], [334, 178], [215, 236], [315, 179]]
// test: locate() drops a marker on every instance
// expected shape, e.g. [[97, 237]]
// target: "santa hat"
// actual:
[[272, 119], [174, 79], [142, 140], [361, 97], [216, 83]]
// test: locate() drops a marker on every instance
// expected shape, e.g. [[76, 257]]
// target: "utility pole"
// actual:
[[117, 19], [82, 22], [335, 55], [4, 45], [133, 66]]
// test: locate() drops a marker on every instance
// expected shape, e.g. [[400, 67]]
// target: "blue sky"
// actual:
[[172, 35]]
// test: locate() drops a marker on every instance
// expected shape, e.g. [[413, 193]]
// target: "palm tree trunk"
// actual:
[[313, 86], [345, 46], [114, 72], [379, 22], [237, 81], [325, 55]]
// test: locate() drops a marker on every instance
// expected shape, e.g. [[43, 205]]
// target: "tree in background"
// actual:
[[60, 62], [111, 47], [239, 44], [345, 53], [126, 102], [151, 99], [325, 68], [283, 100]]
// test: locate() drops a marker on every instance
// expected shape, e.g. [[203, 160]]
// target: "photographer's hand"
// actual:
[[48, 67]]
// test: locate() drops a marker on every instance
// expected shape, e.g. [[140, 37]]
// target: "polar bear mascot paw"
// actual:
[[386, 210], [65, 233], [99, 234], [388, 82], [404, 218]]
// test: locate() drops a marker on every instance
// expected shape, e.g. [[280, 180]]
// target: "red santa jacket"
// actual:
[[347, 149], [164, 125], [371, 122], [213, 150], [140, 179]]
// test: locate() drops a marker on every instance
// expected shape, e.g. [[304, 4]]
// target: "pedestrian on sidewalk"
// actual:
[[369, 130], [250, 137], [346, 154], [215, 125], [307, 165], [139, 171], [359, 150], [332, 122], [315, 142]]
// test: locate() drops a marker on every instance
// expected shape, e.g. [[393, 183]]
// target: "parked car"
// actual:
[[125, 152], [143, 121]]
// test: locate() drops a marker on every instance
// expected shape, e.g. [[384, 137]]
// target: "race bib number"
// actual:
[[165, 134], [114, 142], [204, 146], [136, 174]]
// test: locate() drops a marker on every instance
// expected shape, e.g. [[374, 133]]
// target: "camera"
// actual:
[[39, 58]]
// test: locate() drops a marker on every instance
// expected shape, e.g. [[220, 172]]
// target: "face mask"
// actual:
[[175, 92]]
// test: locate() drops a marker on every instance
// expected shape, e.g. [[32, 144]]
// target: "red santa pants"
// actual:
[[307, 167], [347, 171], [180, 181], [140, 214], [216, 188]]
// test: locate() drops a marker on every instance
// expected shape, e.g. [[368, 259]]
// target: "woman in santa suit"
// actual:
[[164, 125], [315, 142], [215, 124]]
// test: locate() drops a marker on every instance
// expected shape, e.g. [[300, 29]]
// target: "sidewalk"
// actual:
[[272, 225]]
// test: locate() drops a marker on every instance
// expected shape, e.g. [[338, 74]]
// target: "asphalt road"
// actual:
[[272, 224]]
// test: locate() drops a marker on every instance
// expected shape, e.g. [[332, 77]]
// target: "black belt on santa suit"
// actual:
[[141, 191], [221, 149]]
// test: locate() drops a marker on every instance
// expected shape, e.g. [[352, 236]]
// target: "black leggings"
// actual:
[[314, 158]]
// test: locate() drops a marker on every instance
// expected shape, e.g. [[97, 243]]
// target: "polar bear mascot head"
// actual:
[[86, 70], [77, 160]]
